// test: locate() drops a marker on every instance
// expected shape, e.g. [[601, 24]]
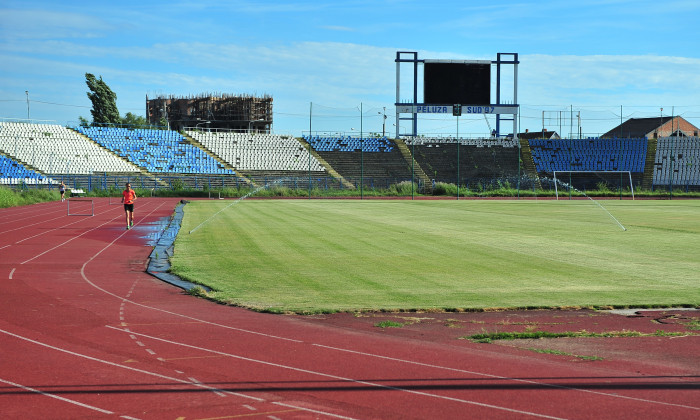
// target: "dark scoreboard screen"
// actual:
[[457, 83]]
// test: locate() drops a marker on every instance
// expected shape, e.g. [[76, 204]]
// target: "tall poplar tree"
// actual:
[[104, 101]]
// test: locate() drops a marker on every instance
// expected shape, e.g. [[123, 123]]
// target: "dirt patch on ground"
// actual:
[[666, 343]]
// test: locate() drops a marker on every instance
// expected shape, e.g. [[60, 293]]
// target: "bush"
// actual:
[[403, 188], [443, 188], [12, 198]]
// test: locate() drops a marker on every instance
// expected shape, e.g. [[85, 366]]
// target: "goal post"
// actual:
[[587, 178]]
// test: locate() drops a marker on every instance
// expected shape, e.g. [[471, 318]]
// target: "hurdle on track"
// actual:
[[115, 200], [215, 196], [80, 207]]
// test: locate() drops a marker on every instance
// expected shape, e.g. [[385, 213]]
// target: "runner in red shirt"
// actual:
[[128, 198]]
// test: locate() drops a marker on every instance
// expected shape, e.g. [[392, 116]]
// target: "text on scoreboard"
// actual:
[[447, 109]]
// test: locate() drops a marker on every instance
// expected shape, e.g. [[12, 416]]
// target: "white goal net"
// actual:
[[605, 182]]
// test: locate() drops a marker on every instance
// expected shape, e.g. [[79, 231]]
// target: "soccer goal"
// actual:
[[216, 195], [593, 180], [80, 207]]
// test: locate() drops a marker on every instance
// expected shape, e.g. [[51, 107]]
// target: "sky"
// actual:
[[584, 66]]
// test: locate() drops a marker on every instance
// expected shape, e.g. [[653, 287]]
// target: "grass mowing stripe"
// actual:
[[317, 255]]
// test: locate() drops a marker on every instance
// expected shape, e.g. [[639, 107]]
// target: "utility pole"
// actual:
[[383, 122], [26, 92]]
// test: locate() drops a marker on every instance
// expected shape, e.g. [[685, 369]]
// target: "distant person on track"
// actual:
[[128, 198], [62, 190]]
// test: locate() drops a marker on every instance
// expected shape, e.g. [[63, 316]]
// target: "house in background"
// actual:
[[652, 128], [542, 134]]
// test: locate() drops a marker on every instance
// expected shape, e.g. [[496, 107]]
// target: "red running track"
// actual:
[[86, 333]]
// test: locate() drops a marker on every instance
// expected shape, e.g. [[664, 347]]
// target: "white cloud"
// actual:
[[337, 77], [47, 24]]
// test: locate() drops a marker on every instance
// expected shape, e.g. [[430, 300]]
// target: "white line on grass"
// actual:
[[367, 354]]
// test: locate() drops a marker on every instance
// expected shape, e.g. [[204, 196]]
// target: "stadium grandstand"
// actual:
[[14, 173], [378, 162], [156, 151], [677, 162], [477, 163], [43, 155], [262, 157]]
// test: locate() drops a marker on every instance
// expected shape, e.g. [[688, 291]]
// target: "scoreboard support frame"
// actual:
[[503, 111]]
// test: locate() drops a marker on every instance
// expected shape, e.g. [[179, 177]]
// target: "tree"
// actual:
[[134, 121], [104, 101]]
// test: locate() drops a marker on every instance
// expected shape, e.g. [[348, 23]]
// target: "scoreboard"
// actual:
[[456, 82]]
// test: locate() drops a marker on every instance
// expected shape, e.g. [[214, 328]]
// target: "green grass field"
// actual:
[[348, 255]]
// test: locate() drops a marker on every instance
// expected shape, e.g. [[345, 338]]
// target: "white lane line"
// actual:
[[310, 410], [46, 394], [393, 359], [37, 223], [158, 375], [129, 368], [78, 236], [218, 392], [69, 240], [366, 354], [82, 273], [12, 272], [40, 212], [340, 378], [60, 227], [126, 299]]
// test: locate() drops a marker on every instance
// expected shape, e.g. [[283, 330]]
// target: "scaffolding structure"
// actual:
[[244, 113]]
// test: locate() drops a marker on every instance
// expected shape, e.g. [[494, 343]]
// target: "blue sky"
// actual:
[[604, 59]]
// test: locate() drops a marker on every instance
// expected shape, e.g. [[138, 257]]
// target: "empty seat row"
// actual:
[[53, 149], [478, 142], [258, 152], [349, 143], [677, 161], [592, 154], [162, 151]]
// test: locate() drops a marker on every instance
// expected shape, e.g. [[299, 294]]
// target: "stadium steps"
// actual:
[[216, 157], [529, 162], [241, 176], [332, 172], [648, 178], [427, 183]]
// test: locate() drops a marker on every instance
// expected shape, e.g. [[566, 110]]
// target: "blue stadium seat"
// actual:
[[155, 150]]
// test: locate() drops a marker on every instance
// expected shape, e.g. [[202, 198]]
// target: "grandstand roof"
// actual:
[[643, 127]]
